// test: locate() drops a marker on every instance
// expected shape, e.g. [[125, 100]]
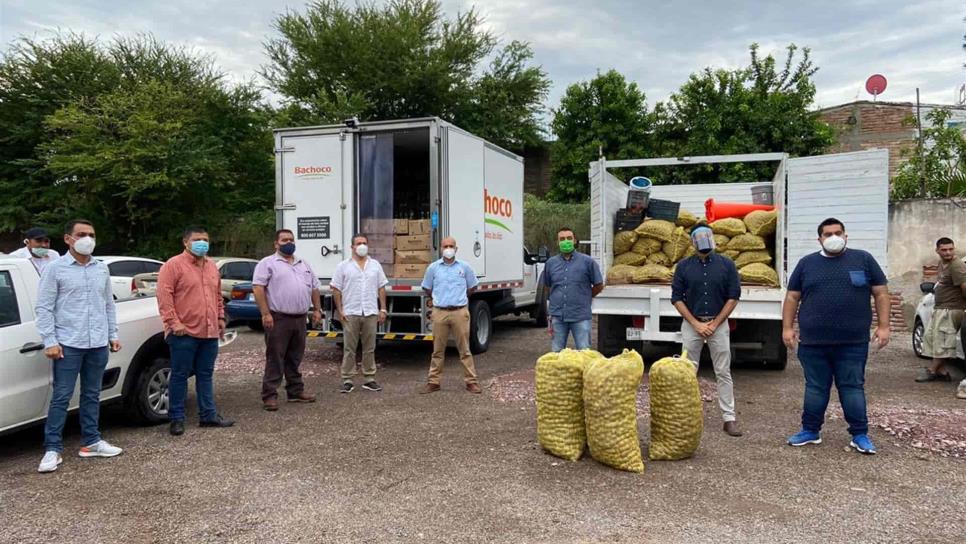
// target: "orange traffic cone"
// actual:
[[720, 210]]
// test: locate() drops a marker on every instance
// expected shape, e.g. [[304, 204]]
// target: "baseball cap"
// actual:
[[35, 233]]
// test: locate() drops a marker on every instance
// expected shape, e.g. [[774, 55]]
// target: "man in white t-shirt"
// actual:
[[36, 247], [359, 289]]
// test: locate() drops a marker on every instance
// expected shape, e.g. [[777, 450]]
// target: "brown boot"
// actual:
[[429, 388], [270, 405], [474, 388], [731, 428], [301, 397]]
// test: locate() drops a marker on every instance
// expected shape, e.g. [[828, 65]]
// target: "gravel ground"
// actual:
[[453, 467]]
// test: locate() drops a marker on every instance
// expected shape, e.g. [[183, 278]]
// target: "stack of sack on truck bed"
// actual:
[[650, 252]]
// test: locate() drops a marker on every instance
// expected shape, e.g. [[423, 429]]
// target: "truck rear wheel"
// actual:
[[148, 401], [481, 326]]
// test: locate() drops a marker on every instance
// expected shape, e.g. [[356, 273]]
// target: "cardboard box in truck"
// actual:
[[418, 242], [377, 226], [383, 255], [419, 226], [401, 226], [414, 257], [410, 271]]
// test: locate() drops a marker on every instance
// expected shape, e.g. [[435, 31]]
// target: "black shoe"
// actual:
[[347, 388], [217, 422], [372, 386], [177, 428]]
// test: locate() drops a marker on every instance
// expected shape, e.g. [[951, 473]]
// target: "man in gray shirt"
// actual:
[[77, 321]]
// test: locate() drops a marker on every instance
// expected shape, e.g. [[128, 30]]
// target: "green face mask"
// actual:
[[566, 246]]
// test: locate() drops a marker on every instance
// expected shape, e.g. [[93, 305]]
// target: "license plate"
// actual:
[[251, 297], [635, 334]]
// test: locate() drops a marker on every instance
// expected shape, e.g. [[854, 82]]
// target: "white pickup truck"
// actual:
[[137, 375]]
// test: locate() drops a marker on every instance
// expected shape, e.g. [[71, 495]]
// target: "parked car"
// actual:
[[241, 307], [137, 375], [123, 270], [923, 315], [233, 270]]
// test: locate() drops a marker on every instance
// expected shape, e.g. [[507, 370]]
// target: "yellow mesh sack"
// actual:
[[678, 246], [746, 242], [630, 258], [652, 273], [762, 223], [686, 219], [624, 241], [560, 402], [659, 258], [731, 254], [751, 257], [731, 227], [759, 274], [658, 229], [721, 241], [610, 410], [676, 414], [646, 246], [621, 274]]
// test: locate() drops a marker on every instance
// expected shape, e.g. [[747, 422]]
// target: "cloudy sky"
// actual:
[[656, 44]]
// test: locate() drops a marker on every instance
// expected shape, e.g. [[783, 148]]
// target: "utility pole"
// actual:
[[922, 177]]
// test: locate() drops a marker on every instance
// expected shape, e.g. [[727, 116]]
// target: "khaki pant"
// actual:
[[939, 338], [457, 321], [354, 328], [720, 347]]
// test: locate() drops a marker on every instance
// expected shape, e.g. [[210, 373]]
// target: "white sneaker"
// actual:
[[961, 390], [50, 462], [100, 449]]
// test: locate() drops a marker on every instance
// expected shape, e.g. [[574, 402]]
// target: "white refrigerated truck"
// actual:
[[332, 181], [853, 187]]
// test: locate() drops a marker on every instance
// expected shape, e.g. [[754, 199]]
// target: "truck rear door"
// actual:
[[315, 173], [851, 187], [463, 185]]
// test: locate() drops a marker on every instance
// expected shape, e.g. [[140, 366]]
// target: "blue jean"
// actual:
[[579, 329], [89, 364], [843, 364], [189, 356]]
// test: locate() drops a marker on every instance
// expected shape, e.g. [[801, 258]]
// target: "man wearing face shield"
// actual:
[[193, 314], [359, 292], [829, 292], [285, 289], [36, 248], [705, 291]]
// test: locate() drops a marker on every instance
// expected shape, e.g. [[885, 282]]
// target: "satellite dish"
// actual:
[[876, 85]]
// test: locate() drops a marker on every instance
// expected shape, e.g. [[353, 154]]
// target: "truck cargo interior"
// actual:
[[394, 175]]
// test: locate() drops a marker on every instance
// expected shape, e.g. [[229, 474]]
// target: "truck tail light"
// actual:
[[238, 294], [134, 287], [638, 321]]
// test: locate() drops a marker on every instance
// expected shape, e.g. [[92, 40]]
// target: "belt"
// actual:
[[292, 316], [704, 319], [450, 308]]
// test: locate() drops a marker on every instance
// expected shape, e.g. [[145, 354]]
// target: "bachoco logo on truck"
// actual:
[[310, 173], [502, 209]]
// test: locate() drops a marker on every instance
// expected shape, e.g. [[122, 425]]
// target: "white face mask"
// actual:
[[834, 244], [449, 253], [362, 250], [84, 246], [39, 252]]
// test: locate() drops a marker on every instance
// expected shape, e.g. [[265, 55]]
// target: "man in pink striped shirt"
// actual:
[[193, 313]]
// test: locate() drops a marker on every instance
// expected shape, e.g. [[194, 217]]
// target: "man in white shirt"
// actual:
[[359, 290], [36, 247]]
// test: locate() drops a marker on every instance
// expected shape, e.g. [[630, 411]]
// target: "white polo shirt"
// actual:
[[359, 286], [38, 263]]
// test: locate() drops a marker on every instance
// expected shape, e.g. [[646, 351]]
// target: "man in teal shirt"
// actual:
[[450, 283]]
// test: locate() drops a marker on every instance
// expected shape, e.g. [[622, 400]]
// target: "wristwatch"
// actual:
[[383, 312]]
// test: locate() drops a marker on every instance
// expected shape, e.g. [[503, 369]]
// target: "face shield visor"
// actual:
[[703, 240]]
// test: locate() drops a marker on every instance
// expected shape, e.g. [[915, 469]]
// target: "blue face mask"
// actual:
[[199, 248], [287, 249]]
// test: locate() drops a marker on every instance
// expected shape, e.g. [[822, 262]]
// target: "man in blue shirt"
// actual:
[[574, 279], [705, 291], [77, 321], [449, 283], [829, 291]]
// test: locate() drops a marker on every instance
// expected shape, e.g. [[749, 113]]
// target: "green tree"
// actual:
[[403, 60], [162, 142], [754, 109], [607, 114], [940, 171]]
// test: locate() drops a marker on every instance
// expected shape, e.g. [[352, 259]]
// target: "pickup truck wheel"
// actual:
[[149, 399], [918, 333], [481, 326]]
